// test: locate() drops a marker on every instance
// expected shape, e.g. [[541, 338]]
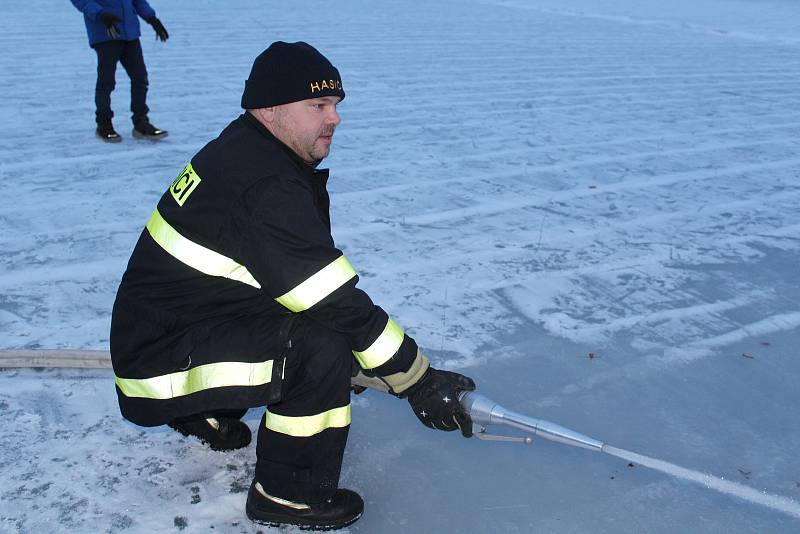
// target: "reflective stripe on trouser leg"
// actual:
[[305, 426], [301, 439]]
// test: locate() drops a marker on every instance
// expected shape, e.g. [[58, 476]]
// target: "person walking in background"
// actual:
[[113, 29]]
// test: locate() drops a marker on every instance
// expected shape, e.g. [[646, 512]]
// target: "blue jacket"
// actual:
[[124, 9]]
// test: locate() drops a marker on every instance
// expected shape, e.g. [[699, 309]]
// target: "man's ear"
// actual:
[[264, 115]]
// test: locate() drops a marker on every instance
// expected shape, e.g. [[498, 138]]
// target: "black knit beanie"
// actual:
[[290, 72]]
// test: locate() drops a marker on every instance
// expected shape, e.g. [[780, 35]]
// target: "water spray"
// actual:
[[484, 412]]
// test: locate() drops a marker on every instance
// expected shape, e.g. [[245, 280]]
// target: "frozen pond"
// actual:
[[593, 209]]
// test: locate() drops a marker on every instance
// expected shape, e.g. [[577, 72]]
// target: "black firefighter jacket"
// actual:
[[242, 235]]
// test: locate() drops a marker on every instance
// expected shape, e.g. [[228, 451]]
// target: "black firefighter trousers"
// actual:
[[305, 468], [302, 459]]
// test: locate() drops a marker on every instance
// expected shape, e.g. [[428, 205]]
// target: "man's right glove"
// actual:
[[109, 20], [434, 400]]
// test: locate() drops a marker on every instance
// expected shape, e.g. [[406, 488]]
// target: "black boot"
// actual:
[[105, 131], [142, 129], [222, 431], [342, 509]]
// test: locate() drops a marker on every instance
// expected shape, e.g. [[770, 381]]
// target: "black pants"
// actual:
[[303, 433], [129, 53], [316, 387]]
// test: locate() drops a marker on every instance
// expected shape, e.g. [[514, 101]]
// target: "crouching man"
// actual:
[[236, 297]]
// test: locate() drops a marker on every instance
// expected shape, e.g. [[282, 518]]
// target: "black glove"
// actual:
[[434, 400], [109, 20], [161, 31]]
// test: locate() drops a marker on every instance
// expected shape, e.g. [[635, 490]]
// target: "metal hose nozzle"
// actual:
[[484, 411]]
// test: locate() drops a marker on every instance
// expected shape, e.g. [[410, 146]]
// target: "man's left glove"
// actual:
[[434, 400], [161, 31]]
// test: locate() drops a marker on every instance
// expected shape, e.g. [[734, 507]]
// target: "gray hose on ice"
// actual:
[[56, 358], [482, 410]]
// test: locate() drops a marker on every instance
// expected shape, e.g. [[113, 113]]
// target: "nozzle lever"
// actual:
[[480, 432]]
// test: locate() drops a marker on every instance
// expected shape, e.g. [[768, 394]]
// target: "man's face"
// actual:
[[307, 126]]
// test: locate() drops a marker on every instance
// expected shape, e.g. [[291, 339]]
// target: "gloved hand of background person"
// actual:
[[109, 20], [161, 31], [434, 400]]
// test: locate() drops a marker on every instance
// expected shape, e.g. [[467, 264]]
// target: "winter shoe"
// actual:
[[142, 129], [220, 432], [342, 509], [105, 131]]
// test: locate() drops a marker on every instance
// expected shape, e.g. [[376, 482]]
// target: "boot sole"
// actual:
[[299, 523], [158, 137]]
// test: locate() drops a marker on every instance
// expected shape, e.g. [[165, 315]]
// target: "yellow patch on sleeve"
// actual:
[[184, 184]]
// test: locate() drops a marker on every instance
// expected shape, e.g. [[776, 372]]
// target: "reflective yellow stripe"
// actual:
[[303, 427], [319, 285], [196, 256], [212, 375], [382, 348]]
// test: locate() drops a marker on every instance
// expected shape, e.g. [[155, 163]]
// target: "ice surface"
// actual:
[[590, 207]]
